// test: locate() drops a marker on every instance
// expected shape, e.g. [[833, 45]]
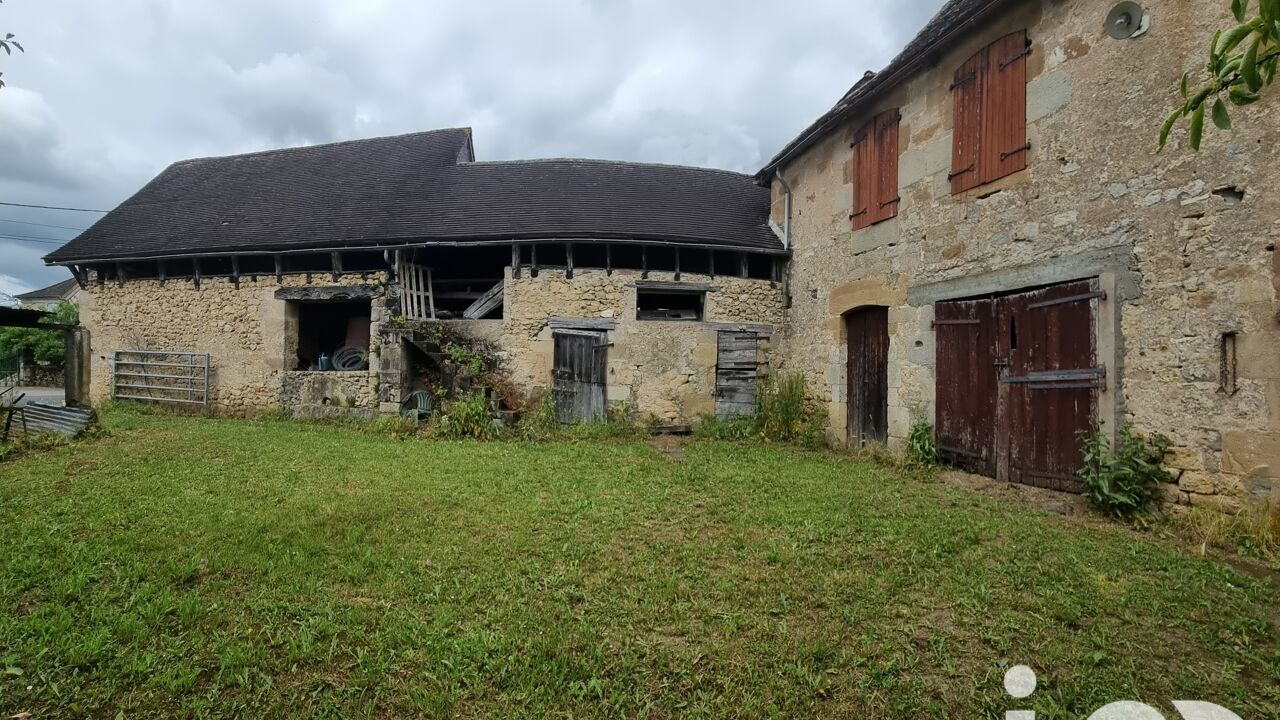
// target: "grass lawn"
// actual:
[[190, 567]]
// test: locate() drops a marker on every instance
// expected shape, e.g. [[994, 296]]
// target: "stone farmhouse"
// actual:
[[980, 236]]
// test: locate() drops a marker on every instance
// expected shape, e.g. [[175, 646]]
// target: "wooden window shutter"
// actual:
[[886, 201], [966, 170], [1004, 126], [864, 179]]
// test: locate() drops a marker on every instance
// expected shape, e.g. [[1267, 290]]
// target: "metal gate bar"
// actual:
[[131, 379]]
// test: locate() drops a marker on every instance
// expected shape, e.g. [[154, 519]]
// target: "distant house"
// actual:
[[47, 298]]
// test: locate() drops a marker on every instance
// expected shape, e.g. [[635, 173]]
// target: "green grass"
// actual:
[[195, 567]]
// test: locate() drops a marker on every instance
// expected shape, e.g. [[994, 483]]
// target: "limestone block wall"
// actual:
[[662, 368], [1186, 241], [246, 331]]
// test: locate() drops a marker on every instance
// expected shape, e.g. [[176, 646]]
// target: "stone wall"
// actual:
[[247, 332], [663, 369], [1184, 263]]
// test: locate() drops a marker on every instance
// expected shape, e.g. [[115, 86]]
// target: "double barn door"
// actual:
[[1017, 381]]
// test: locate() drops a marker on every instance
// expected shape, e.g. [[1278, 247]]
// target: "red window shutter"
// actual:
[[864, 179], [886, 199], [1004, 125], [966, 171]]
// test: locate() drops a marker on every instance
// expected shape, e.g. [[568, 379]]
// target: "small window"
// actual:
[[875, 160], [669, 304], [989, 140]]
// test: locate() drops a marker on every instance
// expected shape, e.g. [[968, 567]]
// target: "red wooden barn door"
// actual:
[[966, 384], [1049, 391], [868, 375]]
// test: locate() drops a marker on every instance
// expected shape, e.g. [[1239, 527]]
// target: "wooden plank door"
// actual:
[[867, 374], [967, 383], [737, 372], [579, 375], [1049, 392]]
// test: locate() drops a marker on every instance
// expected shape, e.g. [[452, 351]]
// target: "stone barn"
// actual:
[[984, 238], [297, 278]]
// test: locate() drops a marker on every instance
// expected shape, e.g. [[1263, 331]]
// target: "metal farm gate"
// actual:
[[1018, 379], [579, 375], [160, 376]]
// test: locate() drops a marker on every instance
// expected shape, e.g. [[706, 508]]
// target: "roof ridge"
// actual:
[[320, 146], [598, 161]]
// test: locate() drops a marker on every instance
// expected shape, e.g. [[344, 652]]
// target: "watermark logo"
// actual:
[[1020, 683]]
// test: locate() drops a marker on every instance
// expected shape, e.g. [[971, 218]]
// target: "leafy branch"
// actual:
[[1242, 61], [8, 44]]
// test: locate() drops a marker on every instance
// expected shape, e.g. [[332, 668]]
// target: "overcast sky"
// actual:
[[110, 93]]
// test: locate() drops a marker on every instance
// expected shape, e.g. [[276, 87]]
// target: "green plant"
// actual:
[[711, 427], [44, 345], [1123, 481], [350, 401], [781, 407], [922, 449], [1242, 61], [468, 418], [396, 321]]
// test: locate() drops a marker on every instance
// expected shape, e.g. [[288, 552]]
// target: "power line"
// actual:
[[52, 207], [20, 238], [24, 222]]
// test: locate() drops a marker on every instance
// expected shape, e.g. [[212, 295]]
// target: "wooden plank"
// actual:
[[966, 171], [485, 304], [669, 285], [557, 322]]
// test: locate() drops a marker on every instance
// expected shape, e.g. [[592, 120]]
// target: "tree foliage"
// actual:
[[8, 44], [45, 345], [1242, 61]]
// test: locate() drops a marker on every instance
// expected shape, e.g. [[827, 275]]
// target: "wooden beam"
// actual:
[[533, 259], [515, 260], [431, 297], [102, 277], [195, 277], [235, 270], [393, 263], [119, 273], [711, 263], [608, 259], [279, 268], [568, 258], [644, 261], [485, 304], [742, 265], [335, 264], [162, 271], [677, 264]]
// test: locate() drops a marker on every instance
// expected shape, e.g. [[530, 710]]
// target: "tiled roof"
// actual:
[[419, 187], [54, 291]]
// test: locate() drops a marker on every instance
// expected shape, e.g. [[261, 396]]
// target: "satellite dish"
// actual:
[[1125, 20]]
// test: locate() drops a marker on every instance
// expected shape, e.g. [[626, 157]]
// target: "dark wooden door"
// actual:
[[737, 371], [967, 384], [1049, 390], [867, 372], [1017, 380], [579, 375]]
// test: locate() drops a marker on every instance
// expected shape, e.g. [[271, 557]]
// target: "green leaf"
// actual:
[[1196, 131], [1238, 8], [1221, 117], [1168, 126], [1226, 43], [1249, 66], [1185, 92]]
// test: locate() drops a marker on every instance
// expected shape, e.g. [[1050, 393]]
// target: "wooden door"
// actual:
[[579, 375], [867, 373], [1049, 391], [737, 372], [967, 384]]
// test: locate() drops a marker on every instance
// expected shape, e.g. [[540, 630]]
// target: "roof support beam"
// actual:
[[608, 260], [235, 270], [195, 277], [279, 268], [533, 258], [119, 273], [644, 262], [335, 263], [743, 271], [162, 272], [515, 260], [677, 263], [711, 264], [568, 259]]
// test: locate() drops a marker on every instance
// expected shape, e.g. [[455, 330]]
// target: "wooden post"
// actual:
[[568, 259], [742, 269], [677, 264], [533, 259], [235, 271], [162, 272], [119, 273], [279, 268], [608, 260], [195, 278], [431, 295], [515, 260], [711, 263], [335, 264], [644, 262]]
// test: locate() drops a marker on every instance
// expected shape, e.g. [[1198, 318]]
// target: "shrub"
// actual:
[[922, 449], [468, 418], [780, 407], [1123, 481]]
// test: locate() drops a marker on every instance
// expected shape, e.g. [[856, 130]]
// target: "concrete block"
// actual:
[[1048, 94]]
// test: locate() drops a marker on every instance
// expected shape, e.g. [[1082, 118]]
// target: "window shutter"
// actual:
[[1004, 136], [864, 179], [966, 171], [886, 198]]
